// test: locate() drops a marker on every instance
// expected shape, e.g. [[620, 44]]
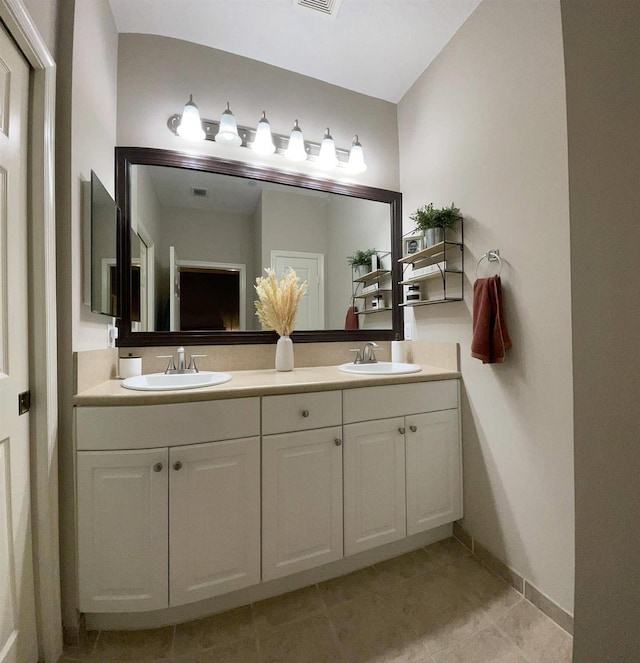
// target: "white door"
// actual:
[[434, 470], [301, 501], [310, 268], [174, 290], [374, 484], [18, 640], [214, 519], [123, 530]]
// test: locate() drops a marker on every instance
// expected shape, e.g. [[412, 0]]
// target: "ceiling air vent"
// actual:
[[327, 8], [199, 193]]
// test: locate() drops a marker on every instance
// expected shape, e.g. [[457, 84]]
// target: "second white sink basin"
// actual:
[[167, 382], [380, 368]]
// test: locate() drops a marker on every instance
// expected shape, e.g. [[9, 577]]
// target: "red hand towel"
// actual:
[[490, 336], [351, 321]]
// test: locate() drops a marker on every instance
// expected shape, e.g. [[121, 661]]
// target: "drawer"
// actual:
[[293, 412], [398, 400], [146, 426]]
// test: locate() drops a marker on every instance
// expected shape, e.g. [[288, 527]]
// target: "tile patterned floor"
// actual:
[[433, 605]]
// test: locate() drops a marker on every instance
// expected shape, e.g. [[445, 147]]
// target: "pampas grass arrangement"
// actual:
[[277, 304]]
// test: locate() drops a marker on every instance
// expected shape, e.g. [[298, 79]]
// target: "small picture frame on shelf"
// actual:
[[412, 244]]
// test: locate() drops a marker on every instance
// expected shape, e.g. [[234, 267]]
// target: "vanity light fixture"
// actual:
[[356, 162], [190, 127], [263, 143], [295, 149], [228, 132], [327, 157]]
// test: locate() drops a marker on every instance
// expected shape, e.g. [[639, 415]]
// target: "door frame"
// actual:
[[240, 268], [43, 334]]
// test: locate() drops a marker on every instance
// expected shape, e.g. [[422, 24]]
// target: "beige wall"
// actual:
[[85, 139], [602, 54], [45, 15], [157, 74], [485, 126]]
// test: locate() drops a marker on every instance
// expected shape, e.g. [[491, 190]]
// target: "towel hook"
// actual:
[[491, 256]]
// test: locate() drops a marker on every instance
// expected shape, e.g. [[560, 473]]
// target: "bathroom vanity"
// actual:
[[184, 496]]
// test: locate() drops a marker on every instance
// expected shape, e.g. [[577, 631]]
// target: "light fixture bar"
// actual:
[[248, 135]]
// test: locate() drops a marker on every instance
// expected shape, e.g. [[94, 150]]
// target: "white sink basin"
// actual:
[[167, 382], [380, 368]]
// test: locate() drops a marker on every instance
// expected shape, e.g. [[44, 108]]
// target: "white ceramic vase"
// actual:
[[284, 354]]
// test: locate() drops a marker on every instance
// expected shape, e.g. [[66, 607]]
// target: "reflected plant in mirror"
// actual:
[[199, 239]]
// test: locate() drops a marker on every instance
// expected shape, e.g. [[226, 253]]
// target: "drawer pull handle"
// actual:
[[157, 467], [177, 465], [401, 431], [337, 441], [305, 413], [413, 428]]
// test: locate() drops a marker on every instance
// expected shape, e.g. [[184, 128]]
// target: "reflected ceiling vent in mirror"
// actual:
[[326, 8], [199, 193]]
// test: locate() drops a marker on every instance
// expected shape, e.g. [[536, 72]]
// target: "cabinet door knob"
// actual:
[[413, 428], [337, 441], [305, 413], [157, 467], [401, 430], [177, 465]]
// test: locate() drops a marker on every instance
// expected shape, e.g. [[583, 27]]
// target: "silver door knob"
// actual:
[[177, 465], [337, 441], [157, 467], [305, 413], [401, 431], [413, 428]]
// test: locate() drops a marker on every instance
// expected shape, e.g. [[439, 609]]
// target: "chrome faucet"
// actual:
[[367, 354], [182, 363]]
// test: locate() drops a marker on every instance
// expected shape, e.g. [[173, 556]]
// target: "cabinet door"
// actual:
[[214, 518], [301, 500], [122, 530], [434, 470], [374, 484]]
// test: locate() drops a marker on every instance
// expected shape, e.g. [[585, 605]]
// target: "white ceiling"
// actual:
[[375, 47], [227, 194]]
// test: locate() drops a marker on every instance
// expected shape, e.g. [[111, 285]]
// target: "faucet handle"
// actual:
[[358, 359], [171, 366], [192, 362]]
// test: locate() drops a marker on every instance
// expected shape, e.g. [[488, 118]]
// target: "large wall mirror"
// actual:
[[199, 230]]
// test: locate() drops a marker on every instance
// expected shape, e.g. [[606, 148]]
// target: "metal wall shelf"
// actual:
[[448, 256]]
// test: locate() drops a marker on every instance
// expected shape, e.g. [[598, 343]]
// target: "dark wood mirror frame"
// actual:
[[129, 156]]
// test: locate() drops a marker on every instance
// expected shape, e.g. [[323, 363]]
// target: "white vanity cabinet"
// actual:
[[182, 502], [165, 526], [374, 484], [301, 482], [123, 530], [403, 463], [214, 518]]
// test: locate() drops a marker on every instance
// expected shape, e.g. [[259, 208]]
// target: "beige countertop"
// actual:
[[255, 383]]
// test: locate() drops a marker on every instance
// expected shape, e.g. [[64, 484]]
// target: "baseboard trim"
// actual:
[[530, 592]]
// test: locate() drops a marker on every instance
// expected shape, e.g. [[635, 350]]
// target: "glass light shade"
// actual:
[[327, 157], [295, 149], [263, 143], [356, 162], [228, 130], [190, 127]]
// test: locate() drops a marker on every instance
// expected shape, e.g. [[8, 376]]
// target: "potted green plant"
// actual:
[[434, 221], [361, 261]]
